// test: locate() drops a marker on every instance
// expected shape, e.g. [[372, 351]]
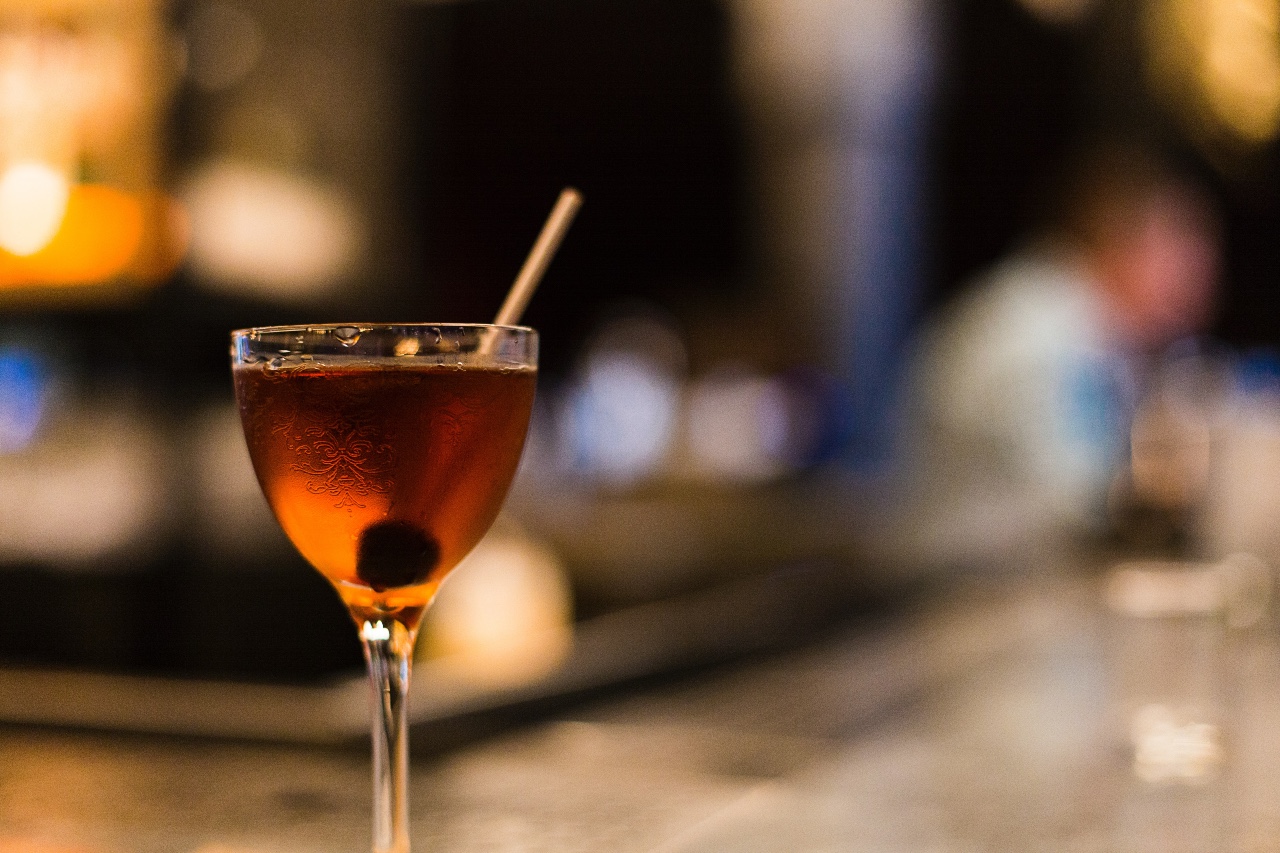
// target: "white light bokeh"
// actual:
[[33, 202], [1168, 748], [739, 426], [505, 615], [89, 492], [263, 232]]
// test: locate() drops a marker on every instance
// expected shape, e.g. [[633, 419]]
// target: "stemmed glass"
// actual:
[[385, 452]]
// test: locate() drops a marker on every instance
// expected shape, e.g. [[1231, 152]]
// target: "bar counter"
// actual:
[[980, 717]]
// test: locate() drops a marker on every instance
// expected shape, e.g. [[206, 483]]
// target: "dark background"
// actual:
[[500, 103]]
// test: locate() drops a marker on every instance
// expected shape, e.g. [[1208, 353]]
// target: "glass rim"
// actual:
[[371, 327]]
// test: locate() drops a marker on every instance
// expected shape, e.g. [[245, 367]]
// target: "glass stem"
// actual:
[[388, 650]]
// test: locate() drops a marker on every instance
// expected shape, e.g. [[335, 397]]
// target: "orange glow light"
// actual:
[[100, 234]]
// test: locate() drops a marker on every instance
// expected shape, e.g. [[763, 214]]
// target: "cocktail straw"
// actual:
[[544, 249]]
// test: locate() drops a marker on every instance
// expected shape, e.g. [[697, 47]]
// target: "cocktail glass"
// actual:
[[385, 452]]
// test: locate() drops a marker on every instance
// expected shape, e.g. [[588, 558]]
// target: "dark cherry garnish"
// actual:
[[395, 553]]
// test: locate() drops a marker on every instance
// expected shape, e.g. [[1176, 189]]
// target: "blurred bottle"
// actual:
[[1158, 501], [1242, 499]]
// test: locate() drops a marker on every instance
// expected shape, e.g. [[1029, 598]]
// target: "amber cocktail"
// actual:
[[385, 452]]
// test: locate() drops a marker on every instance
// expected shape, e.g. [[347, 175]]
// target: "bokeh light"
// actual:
[[33, 201], [23, 395]]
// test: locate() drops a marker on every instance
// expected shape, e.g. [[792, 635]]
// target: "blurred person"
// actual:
[[1023, 390]]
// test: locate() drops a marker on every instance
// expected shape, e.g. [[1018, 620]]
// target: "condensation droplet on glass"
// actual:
[[347, 335]]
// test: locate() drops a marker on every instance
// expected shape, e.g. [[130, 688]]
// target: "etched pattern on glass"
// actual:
[[340, 453]]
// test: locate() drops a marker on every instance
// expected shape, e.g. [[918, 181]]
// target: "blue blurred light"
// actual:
[[1258, 372], [23, 384]]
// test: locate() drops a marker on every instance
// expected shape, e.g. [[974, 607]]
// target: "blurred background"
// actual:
[[778, 289], [907, 443]]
